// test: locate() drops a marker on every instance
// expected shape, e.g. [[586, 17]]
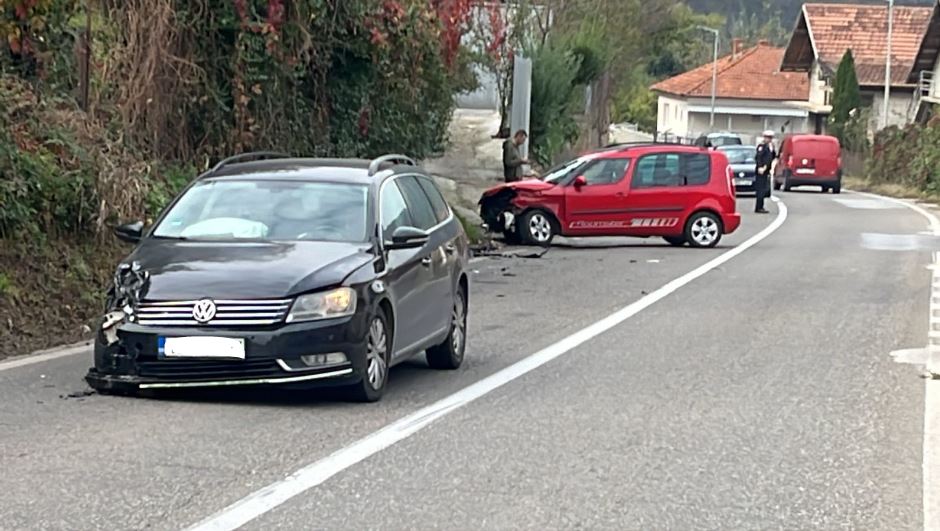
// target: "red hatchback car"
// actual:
[[681, 193]]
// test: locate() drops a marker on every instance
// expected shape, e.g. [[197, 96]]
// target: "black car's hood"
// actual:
[[185, 270]]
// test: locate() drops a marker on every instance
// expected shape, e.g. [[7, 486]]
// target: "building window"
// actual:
[[665, 111]]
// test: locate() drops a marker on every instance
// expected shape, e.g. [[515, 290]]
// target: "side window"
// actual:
[[394, 210], [657, 170], [605, 171], [441, 210], [418, 203], [697, 169]]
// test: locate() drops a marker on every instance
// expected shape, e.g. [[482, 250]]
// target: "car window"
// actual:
[[605, 171], [268, 210], [441, 210], [422, 214], [393, 210], [741, 155], [697, 169], [661, 169], [561, 172]]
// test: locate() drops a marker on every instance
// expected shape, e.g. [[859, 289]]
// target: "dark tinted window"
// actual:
[[672, 169], [441, 211], [697, 169], [418, 203], [605, 171], [661, 169], [394, 210]]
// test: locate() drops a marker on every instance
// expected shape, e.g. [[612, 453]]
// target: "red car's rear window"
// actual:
[[815, 148]]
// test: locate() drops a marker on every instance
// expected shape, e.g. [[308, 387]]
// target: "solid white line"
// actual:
[[931, 462], [40, 357], [273, 495]]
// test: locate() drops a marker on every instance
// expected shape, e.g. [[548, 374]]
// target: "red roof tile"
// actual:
[[753, 74], [835, 28]]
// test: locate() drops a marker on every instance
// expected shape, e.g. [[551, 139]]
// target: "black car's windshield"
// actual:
[[558, 173], [741, 155], [268, 210], [724, 141]]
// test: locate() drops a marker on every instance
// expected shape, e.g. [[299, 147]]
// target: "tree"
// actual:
[[846, 97]]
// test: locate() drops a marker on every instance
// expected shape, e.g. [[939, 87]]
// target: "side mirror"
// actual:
[[408, 238], [130, 232], [580, 181]]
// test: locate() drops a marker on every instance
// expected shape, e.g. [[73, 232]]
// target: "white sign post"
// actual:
[[521, 100]]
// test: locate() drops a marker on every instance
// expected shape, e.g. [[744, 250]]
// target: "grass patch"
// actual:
[[474, 233], [900, 191]]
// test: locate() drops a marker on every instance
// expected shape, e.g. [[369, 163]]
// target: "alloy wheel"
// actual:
[[376, 364], [458, 324], [704, 230], [540, 227]]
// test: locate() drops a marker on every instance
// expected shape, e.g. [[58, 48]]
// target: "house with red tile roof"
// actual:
[[751, 96], [824, 32], [925, 75]]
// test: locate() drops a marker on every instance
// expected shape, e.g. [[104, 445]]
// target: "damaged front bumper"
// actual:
[[498, 211], [273, 356]]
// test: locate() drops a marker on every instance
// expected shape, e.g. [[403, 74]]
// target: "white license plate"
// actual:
[[202, 347], [742, 182], [805, 170]]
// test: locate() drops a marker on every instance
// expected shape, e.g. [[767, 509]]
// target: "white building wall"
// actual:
[[672, 116], [900, 107], [818, 87]]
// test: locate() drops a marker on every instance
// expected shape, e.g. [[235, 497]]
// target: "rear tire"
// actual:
[[776, 185], [448, 356], [786, 183], [536, 227], [703, 230], [676, 241], [837, 189], [378, 352]]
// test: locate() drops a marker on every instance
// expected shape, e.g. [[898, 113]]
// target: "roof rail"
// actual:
[[246, 157], [400, 159]]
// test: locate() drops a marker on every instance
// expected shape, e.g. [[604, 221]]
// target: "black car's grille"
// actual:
[[227, 313], [194, 370]]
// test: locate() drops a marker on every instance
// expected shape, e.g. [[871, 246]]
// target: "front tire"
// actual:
[[448, 356], [375, 373], [703, 230], [536, 228]]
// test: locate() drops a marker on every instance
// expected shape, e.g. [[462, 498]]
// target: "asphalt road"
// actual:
[[760, 395]]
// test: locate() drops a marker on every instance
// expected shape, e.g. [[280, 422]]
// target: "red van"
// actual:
[[814, 160], [682, 194]]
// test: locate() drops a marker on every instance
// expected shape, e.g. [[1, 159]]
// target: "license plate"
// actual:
[[742, 182], [805, 170], [201, 347]]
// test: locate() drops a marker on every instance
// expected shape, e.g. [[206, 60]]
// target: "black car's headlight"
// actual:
[[339, 302]]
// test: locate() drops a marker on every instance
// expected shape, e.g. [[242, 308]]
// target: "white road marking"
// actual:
[[931, 463], [876, 203], [895, 242], [22, 361], [316, 473]]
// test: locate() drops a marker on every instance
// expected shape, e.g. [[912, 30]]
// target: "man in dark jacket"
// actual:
[[765, 160], [512, 160]]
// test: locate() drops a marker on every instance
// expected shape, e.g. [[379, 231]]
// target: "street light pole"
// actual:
[[711, 119], [884, 111]]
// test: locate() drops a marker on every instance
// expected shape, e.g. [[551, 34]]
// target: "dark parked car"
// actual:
[[743, 165], [715, 140], [288, 271]]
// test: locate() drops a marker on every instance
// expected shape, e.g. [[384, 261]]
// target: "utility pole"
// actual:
[[711, 118], [884, 112]]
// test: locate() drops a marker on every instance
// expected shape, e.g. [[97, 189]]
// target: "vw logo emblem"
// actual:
[[204, 310]]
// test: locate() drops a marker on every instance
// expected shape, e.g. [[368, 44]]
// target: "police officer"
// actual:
[[765, 160]]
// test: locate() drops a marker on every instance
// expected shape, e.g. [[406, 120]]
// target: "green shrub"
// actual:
[[555, 71]]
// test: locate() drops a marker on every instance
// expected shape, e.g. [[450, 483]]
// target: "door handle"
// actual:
[[426, 261], [450, 248]]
